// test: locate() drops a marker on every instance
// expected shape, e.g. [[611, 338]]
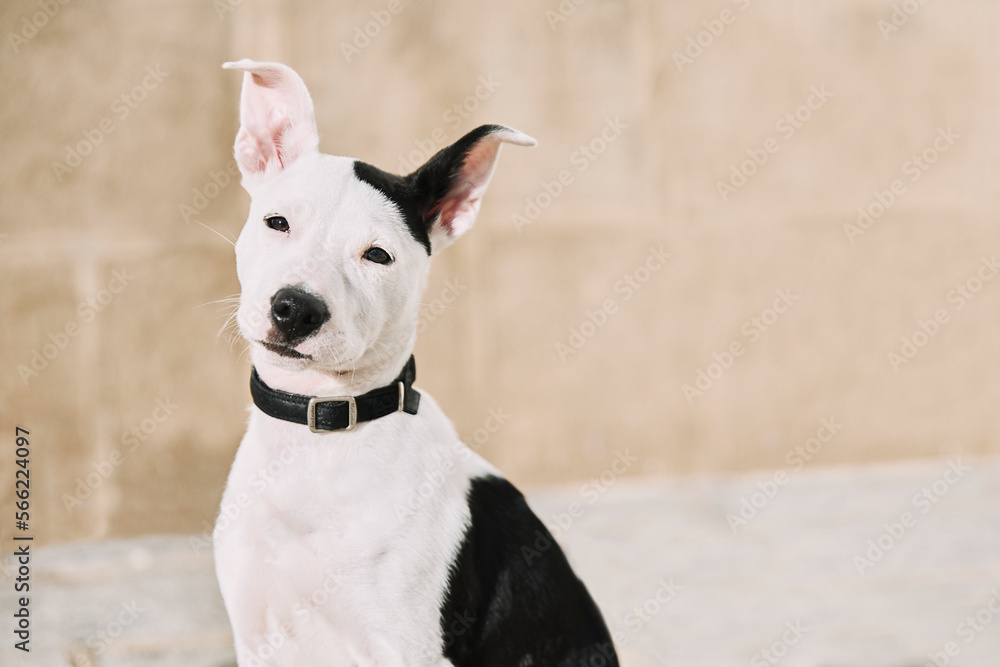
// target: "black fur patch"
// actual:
[[418, 194], [401, 192], [512, 597]]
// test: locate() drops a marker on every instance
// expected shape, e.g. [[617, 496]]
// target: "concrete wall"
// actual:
[[642, 109]]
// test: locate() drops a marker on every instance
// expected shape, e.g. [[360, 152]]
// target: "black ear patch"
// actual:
[[402, 193], [419, 194]]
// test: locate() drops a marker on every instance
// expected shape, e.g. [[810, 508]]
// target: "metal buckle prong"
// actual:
[[402, 395], [352, 411]]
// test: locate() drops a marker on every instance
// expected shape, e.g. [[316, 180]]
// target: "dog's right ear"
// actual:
[[277, 122]]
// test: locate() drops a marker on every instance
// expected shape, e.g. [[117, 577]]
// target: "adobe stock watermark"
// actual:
[[701, 41], [36, 22], [452, 630], [580, 160], [641, 614], [365, 33], [914, 169], [590, 492], [445, 467], [624, 289], [751, 331], [901, 14], [453, 118], [302, 612], [225, 7], [87, 311], [8, 568], [258, 315], [257, 482], [958, 297], [100, 641], [430, 312], [495, 420], [130, 441], [968, 629], [786, 126], [217, 182], [563, 11], [121, 108], [780, 647], [751, 505], [923, 502], [434, 308]]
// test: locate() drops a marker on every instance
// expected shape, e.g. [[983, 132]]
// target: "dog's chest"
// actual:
[[343, 549], [327, 504]]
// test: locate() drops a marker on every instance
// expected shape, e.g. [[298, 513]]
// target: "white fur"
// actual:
[[333, 549], [334, 218], [338, 554], [277, 125]]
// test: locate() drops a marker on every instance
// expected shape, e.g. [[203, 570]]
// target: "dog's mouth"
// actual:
[[283, 350]]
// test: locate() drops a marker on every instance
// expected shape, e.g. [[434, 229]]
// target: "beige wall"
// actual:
[[521, 290]]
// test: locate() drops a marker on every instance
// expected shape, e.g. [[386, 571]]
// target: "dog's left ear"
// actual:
[[451, 184], [277, 122]]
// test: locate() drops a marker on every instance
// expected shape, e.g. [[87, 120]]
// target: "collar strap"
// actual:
[[324, 414]]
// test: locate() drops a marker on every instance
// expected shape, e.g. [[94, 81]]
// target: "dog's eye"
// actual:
[[377, 255], [277, 223]]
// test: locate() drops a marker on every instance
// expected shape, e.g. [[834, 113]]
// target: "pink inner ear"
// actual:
[[461, 205], [458, 213], [276, 120], [263, 142], [257, 152]]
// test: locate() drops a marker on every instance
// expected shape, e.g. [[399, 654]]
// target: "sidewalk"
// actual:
[[673, 578]]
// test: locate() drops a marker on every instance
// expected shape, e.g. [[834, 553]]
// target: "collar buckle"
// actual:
[[352, 413]]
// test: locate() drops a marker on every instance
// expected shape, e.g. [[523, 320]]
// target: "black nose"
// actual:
[[297, 314]]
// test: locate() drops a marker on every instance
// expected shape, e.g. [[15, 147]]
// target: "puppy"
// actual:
[[358, 530]]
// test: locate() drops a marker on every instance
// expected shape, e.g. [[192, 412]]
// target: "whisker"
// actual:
[[230, 321], [245, 350], [226, 299], [217, 233]]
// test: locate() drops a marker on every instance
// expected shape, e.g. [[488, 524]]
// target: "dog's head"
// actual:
[[334, 256]]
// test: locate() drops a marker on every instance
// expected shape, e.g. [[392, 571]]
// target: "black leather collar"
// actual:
[[324, 414]]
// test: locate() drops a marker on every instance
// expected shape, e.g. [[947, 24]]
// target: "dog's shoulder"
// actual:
[[513, 598]]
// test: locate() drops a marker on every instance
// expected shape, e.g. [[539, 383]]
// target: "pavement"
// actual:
[[894, 565]]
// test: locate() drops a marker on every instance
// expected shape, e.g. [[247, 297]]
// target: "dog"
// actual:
[[357, 529]]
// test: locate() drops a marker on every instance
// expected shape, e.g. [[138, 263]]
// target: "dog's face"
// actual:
[[328, 272], [334, 255]]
